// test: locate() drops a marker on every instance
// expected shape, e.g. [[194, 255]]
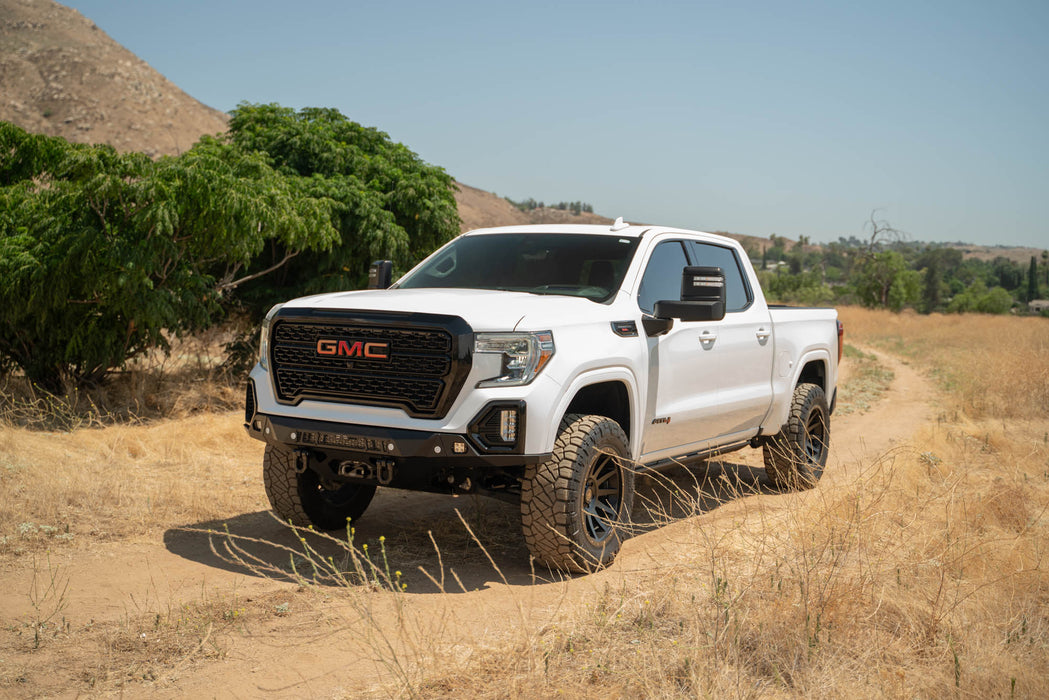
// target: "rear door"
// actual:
[[746, 343]]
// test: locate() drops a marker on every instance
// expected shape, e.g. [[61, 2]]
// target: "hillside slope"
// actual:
[[480, 209], [63, 76]]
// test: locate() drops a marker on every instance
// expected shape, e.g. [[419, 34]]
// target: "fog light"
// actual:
[[459, 448], [508, 425], [499, 427]]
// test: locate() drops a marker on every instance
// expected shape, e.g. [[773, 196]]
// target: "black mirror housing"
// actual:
[[380, 274], [702, 296]]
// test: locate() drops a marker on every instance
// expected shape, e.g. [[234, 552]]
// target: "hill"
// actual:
[[480, 209], [63, 76]]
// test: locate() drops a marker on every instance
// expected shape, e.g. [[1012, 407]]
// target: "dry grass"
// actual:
[[124, 481], [193, 377], [921, 574], [991, 366], [925, 576], [867, 382], [142, 648]]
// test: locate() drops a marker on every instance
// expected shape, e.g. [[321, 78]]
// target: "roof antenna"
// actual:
[[619, 225]]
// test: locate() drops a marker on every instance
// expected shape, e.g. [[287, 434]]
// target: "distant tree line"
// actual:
[[886, 271], [531, 205], [106, 255]]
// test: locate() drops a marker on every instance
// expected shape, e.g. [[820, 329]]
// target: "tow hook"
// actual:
[[384, 471], [302, 460], [356, 470]]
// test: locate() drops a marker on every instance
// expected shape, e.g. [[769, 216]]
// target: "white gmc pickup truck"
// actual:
[[548, 365]]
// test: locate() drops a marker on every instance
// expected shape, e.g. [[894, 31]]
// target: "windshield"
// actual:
[[581, 265]]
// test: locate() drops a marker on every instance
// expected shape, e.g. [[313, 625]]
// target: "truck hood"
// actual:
[[483, 309]]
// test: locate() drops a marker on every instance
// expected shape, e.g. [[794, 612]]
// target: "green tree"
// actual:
[[931, 287], [905, 290], [978, 298], [996, 301], [387, 202], [874, 277], [103, 255], [1032, 280]]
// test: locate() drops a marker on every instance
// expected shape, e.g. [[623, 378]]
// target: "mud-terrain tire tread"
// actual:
[[551, 493], [289, 494], [786, 463]]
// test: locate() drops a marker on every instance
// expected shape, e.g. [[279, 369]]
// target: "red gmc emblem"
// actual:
[[358, 348]]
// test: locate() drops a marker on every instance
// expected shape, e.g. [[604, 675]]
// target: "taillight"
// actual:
[[841, 339]]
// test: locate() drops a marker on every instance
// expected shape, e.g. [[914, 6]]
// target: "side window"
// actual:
[[662, 278], [737, 292]]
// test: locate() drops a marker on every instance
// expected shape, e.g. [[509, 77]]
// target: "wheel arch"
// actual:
[[814, 371], [608, 398], [605, 393], [813, 367]]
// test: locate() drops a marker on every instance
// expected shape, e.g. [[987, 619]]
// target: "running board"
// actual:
[[692, 458]]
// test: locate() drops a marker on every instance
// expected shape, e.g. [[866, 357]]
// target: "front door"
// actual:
[[684, 366]]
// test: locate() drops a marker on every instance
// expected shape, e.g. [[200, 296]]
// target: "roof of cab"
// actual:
[[625, 231]]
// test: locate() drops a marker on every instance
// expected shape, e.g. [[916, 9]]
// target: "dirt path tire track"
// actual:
[[318, 655]]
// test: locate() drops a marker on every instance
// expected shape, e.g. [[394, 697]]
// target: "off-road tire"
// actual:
[[302, 500], [569, 523], [795, 458]]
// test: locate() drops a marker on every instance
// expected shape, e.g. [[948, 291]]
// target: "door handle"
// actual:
[[763, 334], [708, 337]]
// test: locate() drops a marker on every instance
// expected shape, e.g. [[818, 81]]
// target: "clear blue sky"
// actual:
[[794, 118]]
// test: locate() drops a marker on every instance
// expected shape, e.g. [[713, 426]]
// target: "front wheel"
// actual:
[[795, 458], [303, 499], [574, 505]]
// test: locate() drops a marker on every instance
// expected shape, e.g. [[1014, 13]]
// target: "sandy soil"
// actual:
[[324, 642]]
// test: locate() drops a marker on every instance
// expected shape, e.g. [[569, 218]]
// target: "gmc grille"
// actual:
[[429, 358]]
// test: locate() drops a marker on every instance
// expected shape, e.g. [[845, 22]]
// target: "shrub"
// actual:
[[102, 255]]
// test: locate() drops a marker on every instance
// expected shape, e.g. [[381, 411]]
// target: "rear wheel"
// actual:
[[304, 499], [574, 505], [795, 458]]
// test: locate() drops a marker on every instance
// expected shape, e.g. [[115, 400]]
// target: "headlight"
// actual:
[[523, 355], [264, 342]]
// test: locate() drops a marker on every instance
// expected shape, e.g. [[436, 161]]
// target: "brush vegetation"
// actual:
[[106, 256]]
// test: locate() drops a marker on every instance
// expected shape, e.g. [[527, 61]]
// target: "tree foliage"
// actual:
[[386, 201], [105, 255], [884, 270], [577, 207], [102, 254]]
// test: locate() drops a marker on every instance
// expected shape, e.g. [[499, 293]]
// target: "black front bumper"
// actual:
[[408, 459], [372, 442]]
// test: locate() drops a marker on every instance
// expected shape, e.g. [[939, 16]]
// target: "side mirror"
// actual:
[[380, 274], [702, 296]]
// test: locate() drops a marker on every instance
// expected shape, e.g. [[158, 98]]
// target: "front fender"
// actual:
[[552, 421]]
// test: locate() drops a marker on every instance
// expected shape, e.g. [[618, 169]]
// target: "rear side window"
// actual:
[[737, 291], [662, 279]]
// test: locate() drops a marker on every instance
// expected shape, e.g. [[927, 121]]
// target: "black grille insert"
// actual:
[[422, 359]]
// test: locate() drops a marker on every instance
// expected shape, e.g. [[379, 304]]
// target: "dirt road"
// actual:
[[253, 634]]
